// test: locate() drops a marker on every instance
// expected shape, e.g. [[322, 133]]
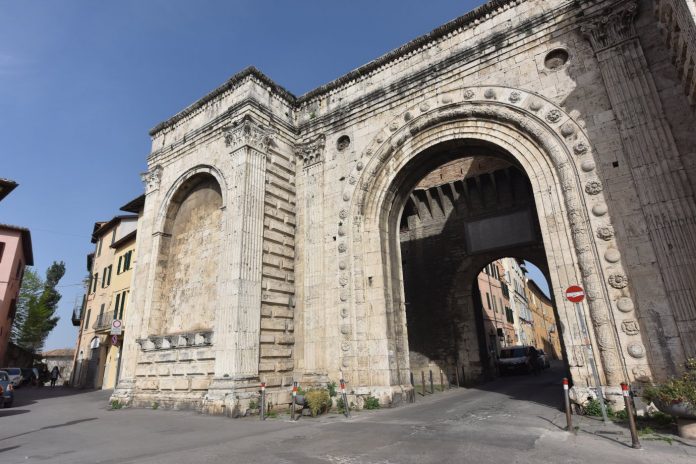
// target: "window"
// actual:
[[118, 301], [95, 281], [118, 266], [123, 304], [488, 299], [127, 260], [106, 277], [89, 312], [99, 247], [2, 250], [113, 236]]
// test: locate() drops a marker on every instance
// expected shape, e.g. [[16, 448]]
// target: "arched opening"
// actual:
[[188, 264]]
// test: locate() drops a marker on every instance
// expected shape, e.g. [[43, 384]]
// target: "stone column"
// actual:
[[313, 309], [238, 318], [136, 316], [665, 195]]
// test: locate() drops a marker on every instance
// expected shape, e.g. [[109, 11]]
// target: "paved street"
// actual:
[[511, 420]]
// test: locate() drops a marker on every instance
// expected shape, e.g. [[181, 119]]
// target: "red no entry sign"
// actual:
[[575, 293]]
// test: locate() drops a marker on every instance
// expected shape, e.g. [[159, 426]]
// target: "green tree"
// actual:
[[36, 307]]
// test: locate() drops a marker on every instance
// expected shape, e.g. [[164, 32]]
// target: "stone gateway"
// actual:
[[290, 238]]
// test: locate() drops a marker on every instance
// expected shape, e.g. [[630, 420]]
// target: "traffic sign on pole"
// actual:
[[116, 327], [114, 340], [575, 293]]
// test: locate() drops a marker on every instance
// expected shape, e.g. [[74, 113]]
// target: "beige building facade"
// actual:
[[270, 242], [110, 272]]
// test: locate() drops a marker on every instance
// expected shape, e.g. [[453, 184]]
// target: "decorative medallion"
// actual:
[[612, 255], [345, 346], [588, 165], [553, 116], [605, 232], [468, 94], [580, 148], [600, 209], [447, 98], [346, 196], [393, 127], [593, 187], [345, 329], [490, 94], [567, 130], [344, 312], [515, 97], [640, 374], [343, 281], [408, 116], [341, 230], [352, 180], [342, 247], [630, 327], [624, 304], [342, 265], [535, 105], [424, 107], [618, 281], [359, 166], [343, 296], [635, 349], [343, 214]]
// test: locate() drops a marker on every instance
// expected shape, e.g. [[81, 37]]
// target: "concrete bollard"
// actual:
[[566, 399], [631, 417]]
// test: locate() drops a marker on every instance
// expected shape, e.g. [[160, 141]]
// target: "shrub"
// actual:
[[318, 400], [332, 389], [593, 408], [341, 406], [253, 404], [116, 404], [677, 389], [155, 405], [371, 403]]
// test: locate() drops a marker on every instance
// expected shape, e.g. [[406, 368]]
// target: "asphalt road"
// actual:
[[514, 420]]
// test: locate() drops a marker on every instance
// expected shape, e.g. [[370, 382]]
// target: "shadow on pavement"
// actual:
[[55, 426], [29, 395], [12, 412]]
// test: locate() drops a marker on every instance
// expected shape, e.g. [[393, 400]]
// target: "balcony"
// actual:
[[103, 322], [77, 317]]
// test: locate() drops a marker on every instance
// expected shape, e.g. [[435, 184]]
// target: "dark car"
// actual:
[[7, 390], [28, 376]]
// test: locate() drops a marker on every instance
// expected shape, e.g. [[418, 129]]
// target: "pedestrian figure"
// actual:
[[55, 373]]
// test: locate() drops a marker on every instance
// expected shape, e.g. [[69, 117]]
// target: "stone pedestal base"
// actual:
[[124, 391], [687, 428], [230, 397]]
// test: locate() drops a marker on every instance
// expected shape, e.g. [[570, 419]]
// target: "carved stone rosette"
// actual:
[[311, 152]]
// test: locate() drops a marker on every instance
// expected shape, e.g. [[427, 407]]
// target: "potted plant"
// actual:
[[677, 397]]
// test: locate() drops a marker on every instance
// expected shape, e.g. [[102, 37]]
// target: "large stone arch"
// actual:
[[190, 228], [552, 149]]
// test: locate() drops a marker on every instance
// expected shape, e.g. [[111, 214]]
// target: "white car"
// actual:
[[15, 375]]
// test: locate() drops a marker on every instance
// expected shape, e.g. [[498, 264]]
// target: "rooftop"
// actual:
[[6, 186], [26, 242]]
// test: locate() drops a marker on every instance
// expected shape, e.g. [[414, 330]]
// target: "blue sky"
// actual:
[[82, 82]]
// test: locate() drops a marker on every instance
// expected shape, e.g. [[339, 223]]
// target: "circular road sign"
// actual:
[[575, 293]]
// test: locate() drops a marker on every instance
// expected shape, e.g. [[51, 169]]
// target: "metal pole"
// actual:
[[423, 381], [432, 389], [262, 416], [346, 406], [294, 396], [593, 366], [566, 398], [442, 382], [631, 418], [412, 396]]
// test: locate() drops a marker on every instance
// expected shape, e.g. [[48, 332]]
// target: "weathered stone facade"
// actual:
[[303, 275]]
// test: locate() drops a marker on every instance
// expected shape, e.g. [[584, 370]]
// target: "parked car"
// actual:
[[6, 390], [543, 359], [15, 374], [27, 375], [521, 358]]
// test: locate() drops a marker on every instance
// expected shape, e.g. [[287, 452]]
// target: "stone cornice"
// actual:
[[611, 26], [482, 13]]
